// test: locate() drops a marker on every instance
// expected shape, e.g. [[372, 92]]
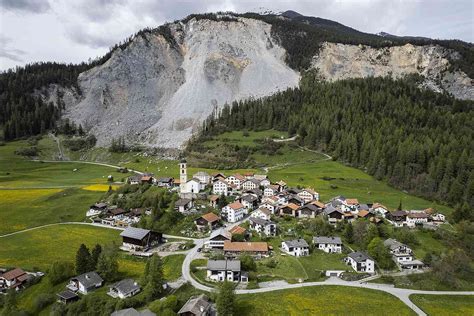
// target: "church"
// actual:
[[188, 188]]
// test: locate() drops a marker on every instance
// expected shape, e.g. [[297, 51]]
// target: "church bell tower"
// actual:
[[183, 176]]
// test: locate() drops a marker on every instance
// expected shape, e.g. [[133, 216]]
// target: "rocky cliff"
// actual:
[[157, 92], [339, 61]]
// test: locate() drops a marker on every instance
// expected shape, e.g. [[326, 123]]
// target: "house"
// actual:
[[238, 230], [411, 265], [263, 226], [236, 180], [297, 247], [166, 182], [400, 252], [264, 182], [139, 239], [270, 204], [217, 176], [349, 217], [217, 239], [398, 217], [13, 279], [262, 212], [207, 221], [438, 218], [136, 179], [146, 178], [328, 244], [133, 312], [214, 200], [193, 186], [220, 187], [85, 282], [334, 214], [364, 214], [183, 205], [233, 212], [415, 218], [197, 306], [360, 262], [260, 177], [67, 297], [235, 249], [350, 205], [96, 209], [379, 209], [250, 184], [225, 270], [203, 177], [256, 192], [320, 205], [308, 195], [295, 199], [308, 211], [249, 175], [271, 190], [289, 209], [249, 201], [123, 289]]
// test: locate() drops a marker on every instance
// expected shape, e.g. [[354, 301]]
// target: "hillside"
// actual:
[[158, 86]]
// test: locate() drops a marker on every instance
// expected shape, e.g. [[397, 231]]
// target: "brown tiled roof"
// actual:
[[245, 246], [236, 205], [13, 274], [146, 178], [318, 204], [348, 214], [118, 211], [265, 210], [213, 198], [376, 205], [237, 230], [352, 201], [239, 176], [211, 217], [293, 206], [363, 213], [417, 215]]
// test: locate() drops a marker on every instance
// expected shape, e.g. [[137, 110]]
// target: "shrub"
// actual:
[[60, 271]]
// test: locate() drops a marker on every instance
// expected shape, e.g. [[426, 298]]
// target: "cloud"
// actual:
[[33, 6], [12, 54]]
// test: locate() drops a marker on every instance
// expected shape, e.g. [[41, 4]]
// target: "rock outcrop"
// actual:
[[340, 61], [157, 92]]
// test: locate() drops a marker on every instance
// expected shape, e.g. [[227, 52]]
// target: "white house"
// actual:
[[308, 195], [350, 205], [262, 212], [233, 212], [183, 205], [264, 182], [85, 283], [123, 289], [360, 262], [235, 179], [250, 184], [416, 218], [13, 279], [438, 217], [97, 209], [217, 239], [379, 209], [328, 244], [297, 247], [249, 201], [401, 253], [220, 187], [203, 177], [263, 226], [193, 186], [222, 270], [270, 190]]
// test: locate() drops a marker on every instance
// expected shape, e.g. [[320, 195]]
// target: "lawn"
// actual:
[[172, 267], [319, 261], [350, 182], [321, 300], [434, 305], [38, 193]]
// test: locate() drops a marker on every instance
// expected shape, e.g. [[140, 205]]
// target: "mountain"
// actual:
[[157, 87]]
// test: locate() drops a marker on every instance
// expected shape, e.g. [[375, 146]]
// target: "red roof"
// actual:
[[236, 205], [211, 217], [237, 230], [13, 274]]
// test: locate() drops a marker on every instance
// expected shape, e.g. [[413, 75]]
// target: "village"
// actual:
[[240, 220]]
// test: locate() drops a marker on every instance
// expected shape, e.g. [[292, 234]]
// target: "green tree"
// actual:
[[372, 232], [153, 278], [95, 256], [83, 259], [247, 263], [225, 299], [60, 271], [380, 253], [349, 233], [107, 264]]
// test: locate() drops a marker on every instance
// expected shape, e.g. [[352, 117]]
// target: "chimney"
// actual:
[[87, 276], [201, 308]]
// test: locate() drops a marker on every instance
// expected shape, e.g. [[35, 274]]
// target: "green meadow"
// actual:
[[322, 300], [441, 305]]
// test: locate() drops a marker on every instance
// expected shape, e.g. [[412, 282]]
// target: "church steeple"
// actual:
[[183, 176]]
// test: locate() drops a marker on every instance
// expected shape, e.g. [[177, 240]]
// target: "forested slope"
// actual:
[[417, 140]]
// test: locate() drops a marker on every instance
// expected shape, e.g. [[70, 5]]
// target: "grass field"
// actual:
[[38, 193], [441, 305], [321, 300]]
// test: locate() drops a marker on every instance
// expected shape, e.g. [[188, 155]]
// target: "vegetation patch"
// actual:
[[441, 305]]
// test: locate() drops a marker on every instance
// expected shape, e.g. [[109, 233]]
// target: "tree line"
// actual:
[[417, 140]]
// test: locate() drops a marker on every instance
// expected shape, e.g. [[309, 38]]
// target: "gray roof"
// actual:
[[165, 180], [67, 295], [359, 256], [126, 286], [135, 233], [260, 221], [410, 263], [363, 207], [182, 202], [196, 305], [221, 231], [133, 312], [331, 209], [223, 265], [89, 279], [299, 243], [327, 240], [249, 198], [392, 243], [311, 207]]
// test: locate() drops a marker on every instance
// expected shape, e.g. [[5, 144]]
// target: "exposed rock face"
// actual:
[[340, 61], [158, 94]]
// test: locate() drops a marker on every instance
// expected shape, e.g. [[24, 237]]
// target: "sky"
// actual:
[[72, 31]]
